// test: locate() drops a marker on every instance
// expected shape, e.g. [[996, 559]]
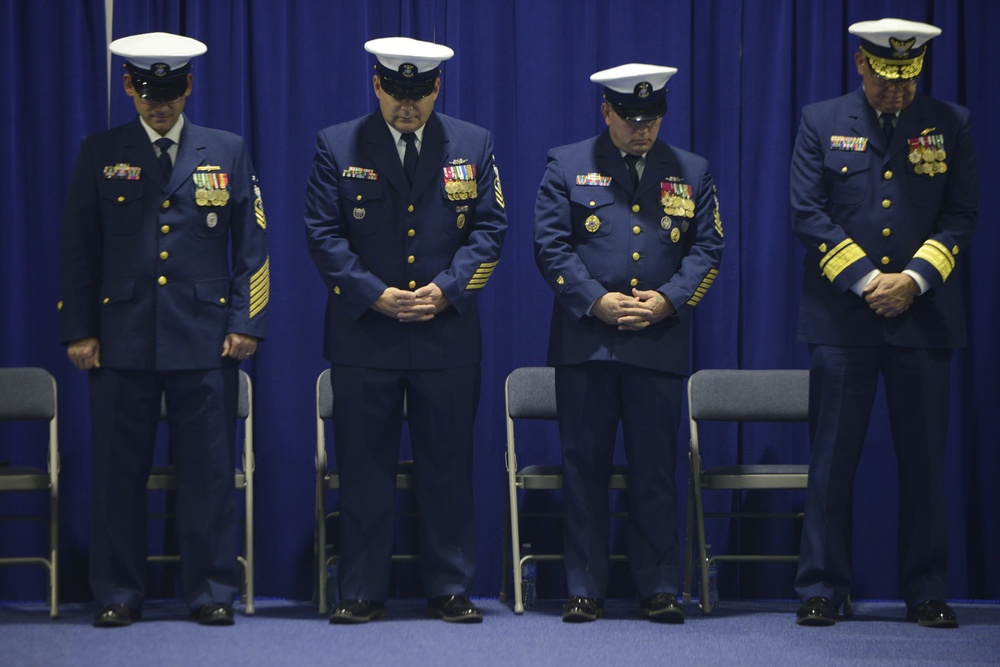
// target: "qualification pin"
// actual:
[[212, 219], [675, 235], [666, 222], [592, 224], [460, 222], [359, 213]]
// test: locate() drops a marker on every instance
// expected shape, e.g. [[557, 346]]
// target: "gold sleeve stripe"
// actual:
[[497, 190], [258, 207], [702, 288], [842, 256], [482, 274], [938, 256], [260, 286], [718, 218]]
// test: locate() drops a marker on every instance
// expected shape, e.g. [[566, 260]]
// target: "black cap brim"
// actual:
[[640, 115], [160, 91]]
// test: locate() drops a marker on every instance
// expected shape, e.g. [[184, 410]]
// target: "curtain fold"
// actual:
[[276, 73]]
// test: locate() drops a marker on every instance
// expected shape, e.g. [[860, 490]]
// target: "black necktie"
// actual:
[[630, 162], [164, 145], [887, 125], [410, 156]]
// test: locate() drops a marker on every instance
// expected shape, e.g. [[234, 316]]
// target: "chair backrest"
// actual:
[[27, 393], [530, 393], [749, 395]]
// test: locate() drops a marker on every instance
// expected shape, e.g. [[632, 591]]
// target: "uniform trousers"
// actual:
[[367, 426], [592, 398], [201, 422], [842, 386]]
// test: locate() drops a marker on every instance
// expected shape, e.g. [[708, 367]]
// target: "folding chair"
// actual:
[[164, 478], [739, 396], [328, 479], [29, 394], [530, 393]]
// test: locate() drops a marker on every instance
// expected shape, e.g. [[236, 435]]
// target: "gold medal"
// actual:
[[939, 154], [201, 198], [927, 155], [592, 224], [914, 156], [942, 167]]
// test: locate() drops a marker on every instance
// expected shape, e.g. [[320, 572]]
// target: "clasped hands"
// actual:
[[420, 305], [890, 294], [632, 313]]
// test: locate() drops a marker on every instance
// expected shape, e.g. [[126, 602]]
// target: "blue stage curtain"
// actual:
[[277, 72]]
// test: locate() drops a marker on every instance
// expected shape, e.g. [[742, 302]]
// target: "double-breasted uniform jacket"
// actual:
[[367, 230], [860, 205], [160, 272], [593, 236]]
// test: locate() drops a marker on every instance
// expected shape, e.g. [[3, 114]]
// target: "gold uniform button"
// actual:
[[59, 305], [222, 299], [636, 229], [560, 280], [411, 232], [636, 256], [410, 208], [886, 232], [886, 203], [162, 280], [412, 284], [954, 250], [635, 208], [106, 300], [885, 260], [165, 204], [843, 169], [822, 247], [593, 203], [887, 175], [633, 282], [165, 229], [121, 198], [164, 255], [358, 198], [411, 259], [336, 289]]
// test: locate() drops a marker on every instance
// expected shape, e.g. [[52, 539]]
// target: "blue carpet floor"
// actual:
[[292, 633]]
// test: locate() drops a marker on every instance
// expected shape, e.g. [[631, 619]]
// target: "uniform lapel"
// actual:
[[609, 161], [433, 152], [190, 154], [660, 162], [141, 153], [378, 147]]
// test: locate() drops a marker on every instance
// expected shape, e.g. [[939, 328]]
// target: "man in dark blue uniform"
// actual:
[[404, 220], [884, 197], [628, 236], [164, 280]]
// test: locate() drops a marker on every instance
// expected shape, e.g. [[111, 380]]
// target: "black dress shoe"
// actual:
[[116, 616], [582, 610], [933, 614], [816, 611], [213, 613], [357, 611], [454, 609], [661, 608]]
